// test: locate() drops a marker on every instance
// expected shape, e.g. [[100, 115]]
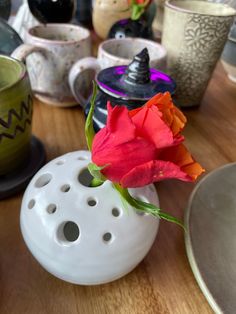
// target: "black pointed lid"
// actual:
[[135, 81]]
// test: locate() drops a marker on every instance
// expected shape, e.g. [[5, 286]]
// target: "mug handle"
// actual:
[[21, 52], [76, 71]]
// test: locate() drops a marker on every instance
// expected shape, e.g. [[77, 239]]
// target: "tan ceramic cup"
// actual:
[[194, 34], [114, 52], [50, 52]]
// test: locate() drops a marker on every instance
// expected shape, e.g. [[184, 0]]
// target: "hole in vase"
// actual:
[[60, 162], [31, 204], [65, 188], [115, 212], [68, 232], [51, 208], [85, 178], [107, 237], [140, 212], [82, 158], [43, 180], [91, 202]]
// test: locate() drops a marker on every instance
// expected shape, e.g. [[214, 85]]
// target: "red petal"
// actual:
[[149, 124], [119, 129], [122, 158], [153, 171]]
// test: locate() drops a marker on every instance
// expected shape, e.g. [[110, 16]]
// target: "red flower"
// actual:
[[144, 145]]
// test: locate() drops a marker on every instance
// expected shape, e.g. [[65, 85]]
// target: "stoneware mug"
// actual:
[[114, 52], [50, 52], [194, 34], [15, 114]]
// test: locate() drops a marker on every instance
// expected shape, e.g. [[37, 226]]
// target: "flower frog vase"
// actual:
[[130, 85], [79, 233]]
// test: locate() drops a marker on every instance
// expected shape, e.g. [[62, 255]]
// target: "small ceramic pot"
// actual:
[[106, 13], [83, 234], [228, 57], [115, 52], [15, 115], [51, 11], [57, 48], [130, 86]]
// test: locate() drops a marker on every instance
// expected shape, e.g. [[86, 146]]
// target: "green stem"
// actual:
[[146, 207], [95, 182]]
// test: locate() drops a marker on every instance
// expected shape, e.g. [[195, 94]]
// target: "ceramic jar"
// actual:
[[83, 234], [106, 13], [131, 86]]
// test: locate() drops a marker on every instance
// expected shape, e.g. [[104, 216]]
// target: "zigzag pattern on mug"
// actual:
[[17, 128], [12, 112]]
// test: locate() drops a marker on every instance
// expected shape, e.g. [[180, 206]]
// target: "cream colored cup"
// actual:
[[50, 52], [194, 34]]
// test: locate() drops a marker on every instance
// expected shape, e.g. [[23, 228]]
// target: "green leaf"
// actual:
[[89, 130], [146, 207], [96, 171]]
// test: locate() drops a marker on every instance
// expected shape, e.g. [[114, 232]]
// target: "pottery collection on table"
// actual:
[[73, 231]]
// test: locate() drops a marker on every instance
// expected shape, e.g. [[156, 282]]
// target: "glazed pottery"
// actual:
[[228, 57], [57, 47], [114, 52], [131, 86], [83, 234], [106, 13], [24, 20], [5, 9], [194, 34], [51, 11], [15, 114], [9, 38]]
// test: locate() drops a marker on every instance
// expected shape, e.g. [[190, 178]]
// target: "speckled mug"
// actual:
[[15, 114], [50, 51], [194, 34]]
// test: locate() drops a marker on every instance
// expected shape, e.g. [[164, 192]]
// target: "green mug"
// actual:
[[15, 115]]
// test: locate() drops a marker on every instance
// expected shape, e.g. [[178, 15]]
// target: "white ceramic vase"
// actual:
[[83, 234]]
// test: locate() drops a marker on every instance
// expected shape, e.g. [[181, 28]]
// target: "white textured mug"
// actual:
[[114, 52], [50, 52]]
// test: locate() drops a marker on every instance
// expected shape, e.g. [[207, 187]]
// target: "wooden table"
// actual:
[[163, 282]]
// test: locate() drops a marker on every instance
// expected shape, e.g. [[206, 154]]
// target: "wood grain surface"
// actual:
[[163, 282]]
